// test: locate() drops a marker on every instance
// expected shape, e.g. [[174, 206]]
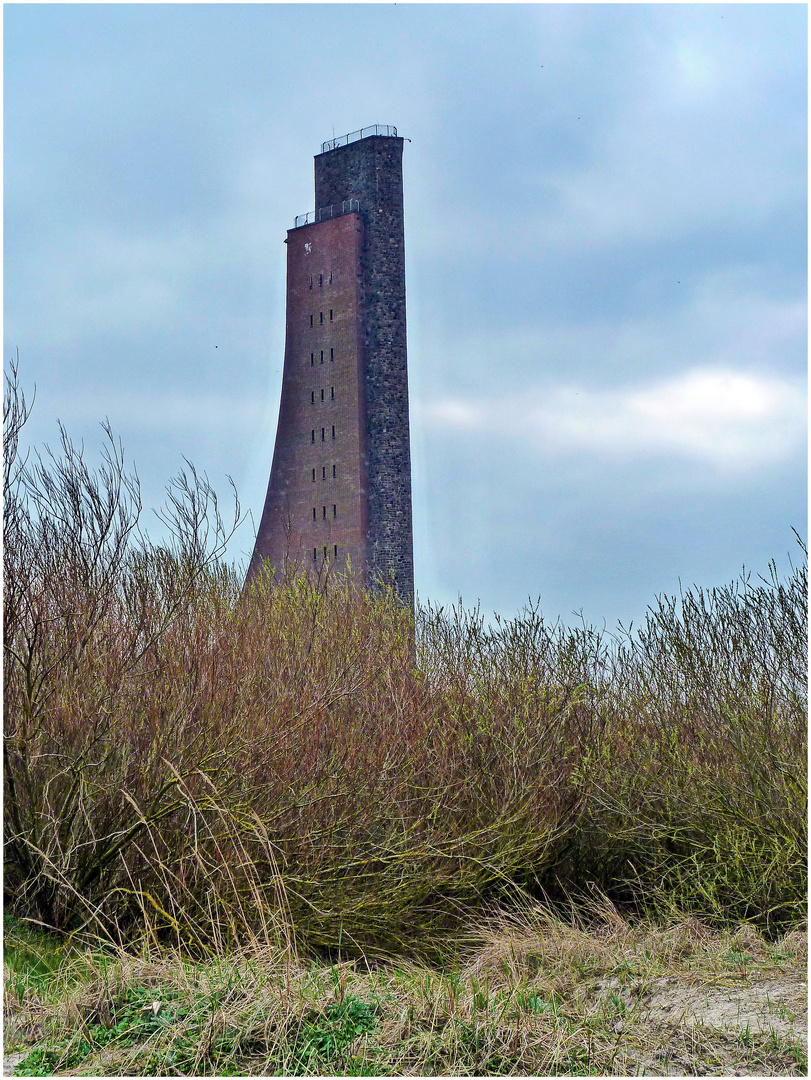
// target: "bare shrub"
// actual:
[[306, 765]]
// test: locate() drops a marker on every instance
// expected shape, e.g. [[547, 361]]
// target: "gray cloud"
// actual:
[[731, 421], [606, 257]]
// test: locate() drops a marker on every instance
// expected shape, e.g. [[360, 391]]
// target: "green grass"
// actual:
[[31, 958], [535, 996]]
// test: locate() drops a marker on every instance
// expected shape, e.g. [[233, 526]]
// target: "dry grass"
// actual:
[[534, 996]]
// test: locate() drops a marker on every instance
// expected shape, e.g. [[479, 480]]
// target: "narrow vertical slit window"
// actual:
[[322, 434], [332, 354], [322, 356], [324, 514], [313, 513], [324, 472], [315, 554], [333, 471], [313, 475], [334, 510], [311, 282], [333, 431], [320, 280], [330, 314], [311, 320], [312, 439], [336, 551], [330, 277], [325, 553], [322, 393], [312, 397], [312, 359], [321, 316], [332, 393]]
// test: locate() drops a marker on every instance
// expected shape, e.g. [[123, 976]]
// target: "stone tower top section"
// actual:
[[367, 166]]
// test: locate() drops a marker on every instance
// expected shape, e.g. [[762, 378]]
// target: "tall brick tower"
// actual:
[[340, 484]]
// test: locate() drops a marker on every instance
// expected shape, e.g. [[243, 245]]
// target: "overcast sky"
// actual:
[[605, 255]]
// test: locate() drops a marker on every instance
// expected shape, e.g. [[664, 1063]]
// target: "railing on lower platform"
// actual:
[[361, 133], [348, 206]]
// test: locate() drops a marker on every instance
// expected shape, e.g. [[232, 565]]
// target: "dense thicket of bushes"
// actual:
[[306, 760]]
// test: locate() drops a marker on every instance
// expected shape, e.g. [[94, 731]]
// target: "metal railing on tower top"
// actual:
[[361, 133], [326, 212]]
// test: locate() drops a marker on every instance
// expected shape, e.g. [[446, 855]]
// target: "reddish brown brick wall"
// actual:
[[323, 276]]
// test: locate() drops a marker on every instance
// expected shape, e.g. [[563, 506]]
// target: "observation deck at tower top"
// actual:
[[323, 213], [362, 133]]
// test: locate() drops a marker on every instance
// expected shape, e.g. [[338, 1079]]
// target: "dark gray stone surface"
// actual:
[[370, 170]]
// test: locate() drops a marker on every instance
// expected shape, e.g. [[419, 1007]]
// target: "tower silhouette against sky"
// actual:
[[339, 494]]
